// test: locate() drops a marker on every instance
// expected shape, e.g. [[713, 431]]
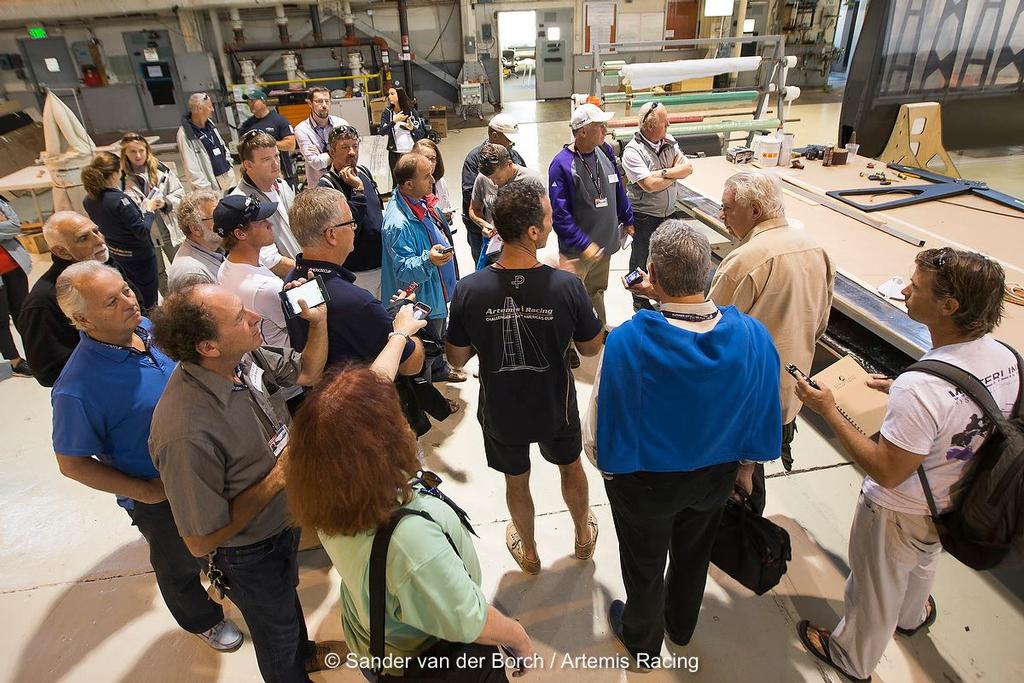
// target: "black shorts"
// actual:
[[514, 459]]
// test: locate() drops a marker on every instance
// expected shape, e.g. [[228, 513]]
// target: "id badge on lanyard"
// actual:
[[600, 202]]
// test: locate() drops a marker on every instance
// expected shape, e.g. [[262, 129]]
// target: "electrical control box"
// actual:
[[470, 94]]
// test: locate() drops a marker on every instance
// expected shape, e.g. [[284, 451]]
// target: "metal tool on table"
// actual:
[[817, 196], [942, 187]]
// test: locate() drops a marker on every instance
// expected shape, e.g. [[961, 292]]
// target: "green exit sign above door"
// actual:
[[36, 32]]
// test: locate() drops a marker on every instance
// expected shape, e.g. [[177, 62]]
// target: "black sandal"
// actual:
[[929, 620], [824, 655]]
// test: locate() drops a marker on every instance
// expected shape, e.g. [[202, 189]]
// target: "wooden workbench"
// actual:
[[869, 257]]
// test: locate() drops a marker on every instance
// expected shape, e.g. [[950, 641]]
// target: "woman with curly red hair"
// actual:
[[351, 471]]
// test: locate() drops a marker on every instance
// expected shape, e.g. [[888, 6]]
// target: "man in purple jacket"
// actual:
[[589, 203]]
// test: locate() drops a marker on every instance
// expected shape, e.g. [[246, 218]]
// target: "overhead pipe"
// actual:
[[274, 47], [282, 24], [314, 20], [236, 26], [406, 54], [349, 20]]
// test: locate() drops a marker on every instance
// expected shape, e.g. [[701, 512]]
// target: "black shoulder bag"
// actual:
[[444, 661]]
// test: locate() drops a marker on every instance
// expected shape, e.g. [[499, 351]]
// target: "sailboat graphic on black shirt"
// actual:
[[520, 350]]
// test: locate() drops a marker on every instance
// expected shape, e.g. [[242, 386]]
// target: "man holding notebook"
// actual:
[[781, 276], [894, 547]]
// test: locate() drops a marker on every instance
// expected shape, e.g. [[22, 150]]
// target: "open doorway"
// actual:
[[517, 40]]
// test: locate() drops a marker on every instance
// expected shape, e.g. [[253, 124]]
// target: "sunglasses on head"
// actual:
[[347, 132], [650, 111], [132, 137], [940, 259], [251, 209], [249, 134]]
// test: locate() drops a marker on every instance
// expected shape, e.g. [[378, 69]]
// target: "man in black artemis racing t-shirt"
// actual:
[[520, 317]]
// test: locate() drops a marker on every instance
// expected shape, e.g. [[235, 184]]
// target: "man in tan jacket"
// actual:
[[780, 275]]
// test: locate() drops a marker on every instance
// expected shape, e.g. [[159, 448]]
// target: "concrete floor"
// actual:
[[81, 603]]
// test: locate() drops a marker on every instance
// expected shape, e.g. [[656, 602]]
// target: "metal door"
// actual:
[[554, 53], [51, 67], [156, 74]]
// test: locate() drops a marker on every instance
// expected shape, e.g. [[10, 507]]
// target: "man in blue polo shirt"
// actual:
[[103, 403], [358, 324]]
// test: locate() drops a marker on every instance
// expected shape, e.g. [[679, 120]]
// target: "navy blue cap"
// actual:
[[237, 211]]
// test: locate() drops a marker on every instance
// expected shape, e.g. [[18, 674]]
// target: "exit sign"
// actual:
[[36, 32]]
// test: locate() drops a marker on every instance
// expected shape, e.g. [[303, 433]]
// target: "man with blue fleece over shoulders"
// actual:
[[682, 395]]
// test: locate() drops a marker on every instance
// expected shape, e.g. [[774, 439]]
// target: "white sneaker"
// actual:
[[224, 637]]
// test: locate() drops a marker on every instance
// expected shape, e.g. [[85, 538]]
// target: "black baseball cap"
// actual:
[[237, 210]]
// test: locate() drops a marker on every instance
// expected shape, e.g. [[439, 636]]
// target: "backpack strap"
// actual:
[[978, 393], [378, 578]]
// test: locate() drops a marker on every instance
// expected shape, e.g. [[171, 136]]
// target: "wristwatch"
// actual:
[[398, 333], [664, 173]]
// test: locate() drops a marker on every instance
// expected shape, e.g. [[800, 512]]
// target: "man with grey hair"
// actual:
[[497, 169], [205, 160], [780, 275], [667, 494], [653, 163], [199, 257], [358, 325], [45, 331], [103, 406]]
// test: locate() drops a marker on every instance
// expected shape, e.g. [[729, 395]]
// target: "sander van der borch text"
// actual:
[[554, 661]]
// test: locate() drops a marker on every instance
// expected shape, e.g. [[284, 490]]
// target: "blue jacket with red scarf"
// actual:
[[405, 259]]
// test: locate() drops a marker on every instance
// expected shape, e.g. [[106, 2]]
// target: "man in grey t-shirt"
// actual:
[[215, 440], [496, 170]]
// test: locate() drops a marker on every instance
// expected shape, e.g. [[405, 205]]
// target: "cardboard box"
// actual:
[[438, 117], [376, 107], [33, 242]]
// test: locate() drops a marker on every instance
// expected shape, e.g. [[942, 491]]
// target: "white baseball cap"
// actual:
[[505, 124], [588, 113]]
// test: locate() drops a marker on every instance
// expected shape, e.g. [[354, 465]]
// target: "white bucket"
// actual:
[[766, 150]]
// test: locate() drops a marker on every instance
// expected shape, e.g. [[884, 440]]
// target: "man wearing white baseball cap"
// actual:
[[502, 130], [589, 202]]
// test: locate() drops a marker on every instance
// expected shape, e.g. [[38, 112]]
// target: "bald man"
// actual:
[[47, 334]]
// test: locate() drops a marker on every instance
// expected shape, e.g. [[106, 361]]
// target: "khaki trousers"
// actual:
[[595, 279], [893, 556]]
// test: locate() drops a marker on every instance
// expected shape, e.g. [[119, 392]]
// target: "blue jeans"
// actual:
[[261, 579]]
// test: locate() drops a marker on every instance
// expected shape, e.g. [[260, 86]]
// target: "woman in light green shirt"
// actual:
[[351, 450]]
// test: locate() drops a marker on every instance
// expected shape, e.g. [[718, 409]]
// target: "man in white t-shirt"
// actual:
[[894, 547], [243, 224]]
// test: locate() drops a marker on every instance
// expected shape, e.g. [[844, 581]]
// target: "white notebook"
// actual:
[[863, 406]]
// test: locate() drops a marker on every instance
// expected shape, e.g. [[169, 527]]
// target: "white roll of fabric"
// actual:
[[647, 75]]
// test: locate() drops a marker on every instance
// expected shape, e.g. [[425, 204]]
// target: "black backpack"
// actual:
[[984, 527]]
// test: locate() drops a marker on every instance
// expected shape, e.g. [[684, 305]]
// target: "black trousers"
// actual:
[[659, 514], [645, 225], [758, 495], [261, 580], [142, 272], [176, 569], [476, 242], [12, 296]]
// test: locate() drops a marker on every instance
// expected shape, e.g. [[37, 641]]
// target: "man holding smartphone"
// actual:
[[215, 440], [359, 324], [416, 249]]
